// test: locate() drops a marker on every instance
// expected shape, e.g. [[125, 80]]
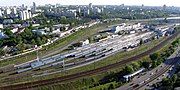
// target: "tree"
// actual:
[[33, 42], [111, 86], [174, 78], [8, 32], [154, 64], [38, 41], [175, 43], [177, 83], [167, 82], [128, 69], [63, 20], [51, 29], [19, 40], [44, 40], [51, 22], [135, 65], [28, 33], [154, 56], [21, 47], [146, 64], [1, 42], [2, 52]]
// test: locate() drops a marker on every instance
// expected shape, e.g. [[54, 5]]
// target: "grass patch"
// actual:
[[58, 46]]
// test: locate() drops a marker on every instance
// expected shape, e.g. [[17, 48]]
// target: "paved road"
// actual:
[[146, 79], [169, 71]]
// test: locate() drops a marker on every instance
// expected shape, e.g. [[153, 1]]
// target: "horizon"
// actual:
[[175, 3]]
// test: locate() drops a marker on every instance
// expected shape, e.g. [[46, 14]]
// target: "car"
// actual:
[[170, 69], [157, 70], [151, 73], [163, 75], [131, 84], [135, 85], [149, 84], [143, 73], [147, 79], [142, 82], [158, 78]]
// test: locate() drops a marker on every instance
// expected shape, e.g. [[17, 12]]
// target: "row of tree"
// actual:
[[157, 58]]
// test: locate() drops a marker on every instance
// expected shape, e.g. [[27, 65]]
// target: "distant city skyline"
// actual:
[[94, 2]]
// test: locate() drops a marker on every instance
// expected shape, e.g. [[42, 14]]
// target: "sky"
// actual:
[[95, 2]]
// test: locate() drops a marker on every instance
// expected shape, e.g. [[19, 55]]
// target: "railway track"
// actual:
[[34, 84]]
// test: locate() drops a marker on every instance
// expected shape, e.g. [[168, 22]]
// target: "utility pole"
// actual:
[[63, 65], [37, 55]]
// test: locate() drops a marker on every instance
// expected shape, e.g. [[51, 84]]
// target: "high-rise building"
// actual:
[[1, 13], [25, 14], [102, 9], [86, 12], [34, 7], [79, 10], [142, 6], [164, 6], [58, 5], [122, 5], [90, 6], [23, 6], [14, 10], [7, 11]]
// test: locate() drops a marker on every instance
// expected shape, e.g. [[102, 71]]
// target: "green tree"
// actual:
[[154, 56], [154, 64], [177, 83], [146, 64], [174, 78], [166, 82], [63, 20], [2, 52], [135, 65], [38, 41], [1, 42], [44, 40], [128, 69], [111, 86], [21, 46], [8, 32], [19, 39], [33, 42]]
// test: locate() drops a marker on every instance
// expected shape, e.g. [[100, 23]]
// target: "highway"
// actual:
[[172, 61], [146, 79]]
